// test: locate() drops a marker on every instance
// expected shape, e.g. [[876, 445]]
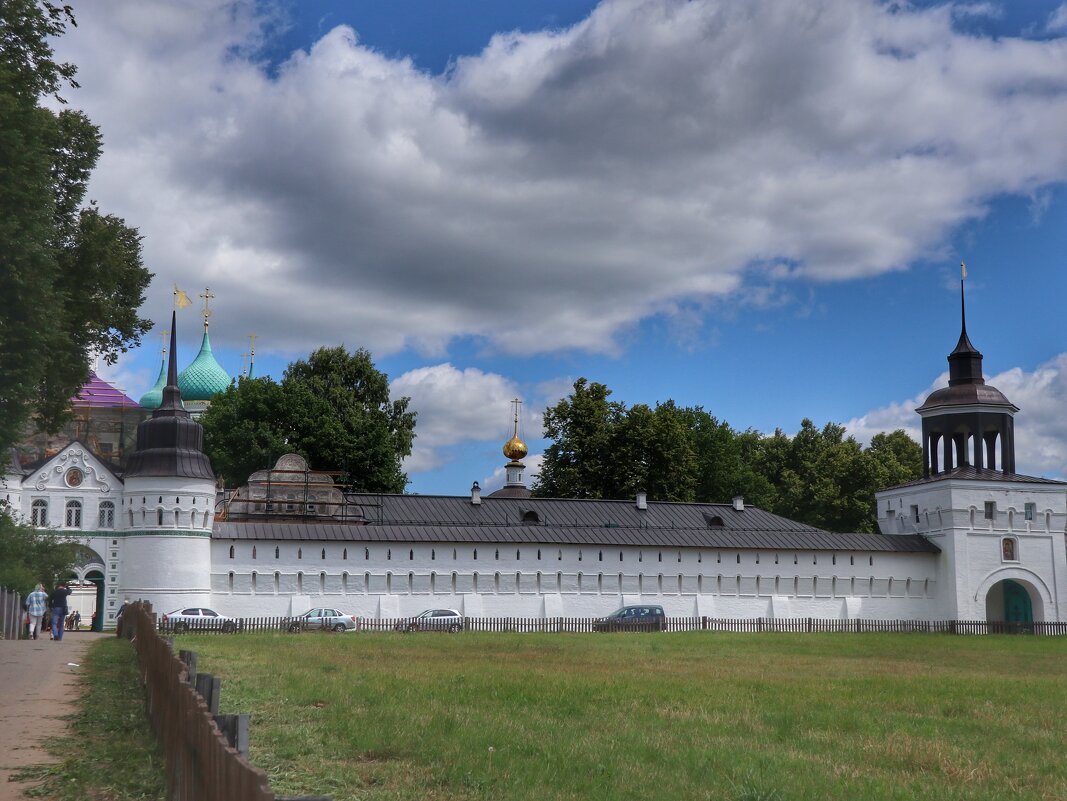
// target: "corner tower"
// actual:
[[969, 422], [169, 504]]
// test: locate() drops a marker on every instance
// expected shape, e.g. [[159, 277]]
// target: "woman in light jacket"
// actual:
[[36, 606]]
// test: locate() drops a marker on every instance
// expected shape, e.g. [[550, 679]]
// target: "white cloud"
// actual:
[[460, 406], [560, 186], [1040, 425], [1057, 21]]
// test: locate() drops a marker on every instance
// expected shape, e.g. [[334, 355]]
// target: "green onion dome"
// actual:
[[154, 397], [204, 378]]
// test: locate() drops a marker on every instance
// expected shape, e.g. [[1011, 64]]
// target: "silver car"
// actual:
[[433, 620], [324, 618], [197, 618]]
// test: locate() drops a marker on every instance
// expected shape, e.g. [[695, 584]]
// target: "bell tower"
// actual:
[[969, 422]]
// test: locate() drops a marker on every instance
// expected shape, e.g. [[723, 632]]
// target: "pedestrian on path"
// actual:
[[36, 605], [58, 599]]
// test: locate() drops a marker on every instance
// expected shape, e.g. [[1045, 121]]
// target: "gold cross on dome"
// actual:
[[163, 341], [208, 296]]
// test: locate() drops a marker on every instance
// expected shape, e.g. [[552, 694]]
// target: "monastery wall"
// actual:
[[266, 578]]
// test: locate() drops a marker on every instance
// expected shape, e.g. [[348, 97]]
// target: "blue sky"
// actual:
[[759, 208]]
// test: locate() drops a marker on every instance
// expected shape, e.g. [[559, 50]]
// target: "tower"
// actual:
[[515, 450], [168, 508], [969, 422], [1001, 534]]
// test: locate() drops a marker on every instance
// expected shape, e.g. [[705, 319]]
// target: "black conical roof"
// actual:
[[965, 362], [170, 443]]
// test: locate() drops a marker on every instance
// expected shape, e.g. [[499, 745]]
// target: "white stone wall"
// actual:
[[388, 580], [952, 513]]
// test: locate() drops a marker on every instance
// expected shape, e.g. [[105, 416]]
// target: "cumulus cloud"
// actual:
[[460, 406], [1040, 425], [553, 190], [1057, 21]]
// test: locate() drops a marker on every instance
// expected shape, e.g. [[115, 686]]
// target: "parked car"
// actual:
[[433, 620], [323, 618], [633, 618], [198, 618]]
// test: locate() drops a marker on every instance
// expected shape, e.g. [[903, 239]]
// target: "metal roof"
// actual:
[[969, 472], [423, 518]]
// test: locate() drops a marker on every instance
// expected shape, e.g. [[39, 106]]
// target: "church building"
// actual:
[[971, 540]]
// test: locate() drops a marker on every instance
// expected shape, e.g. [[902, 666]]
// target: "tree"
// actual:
[[578, 464], [28, 555], [334, 409], [71, 278], [822, 477]]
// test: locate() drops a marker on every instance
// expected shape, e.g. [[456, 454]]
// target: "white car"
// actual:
[[433, 620], [323, 618], [198, 618]]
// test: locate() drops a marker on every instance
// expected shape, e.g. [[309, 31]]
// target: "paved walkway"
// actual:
[[38, 680]]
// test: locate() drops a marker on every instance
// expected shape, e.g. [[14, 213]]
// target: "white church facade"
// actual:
[[971, 540]]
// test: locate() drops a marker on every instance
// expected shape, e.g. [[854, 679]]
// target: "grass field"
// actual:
[[650, 716]]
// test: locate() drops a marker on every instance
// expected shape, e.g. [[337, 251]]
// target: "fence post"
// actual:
[[235, 729]]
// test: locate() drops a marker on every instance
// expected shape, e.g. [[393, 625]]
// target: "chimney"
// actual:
[[739, 503], [642, 499], [476, 494]]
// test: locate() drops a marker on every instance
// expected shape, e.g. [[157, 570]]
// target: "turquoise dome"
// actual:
[[204, 378], [154, 397]]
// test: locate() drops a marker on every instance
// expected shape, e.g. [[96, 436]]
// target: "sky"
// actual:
[[759, 208]]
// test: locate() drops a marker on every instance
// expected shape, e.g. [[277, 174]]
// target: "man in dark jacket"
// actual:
[[58, 601]]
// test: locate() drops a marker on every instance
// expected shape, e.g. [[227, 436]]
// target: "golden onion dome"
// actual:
[[515, 448]]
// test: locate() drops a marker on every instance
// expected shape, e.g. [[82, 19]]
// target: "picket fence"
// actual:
[[582, 625], [11, 614]]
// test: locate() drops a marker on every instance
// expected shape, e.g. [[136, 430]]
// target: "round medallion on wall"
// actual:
[[74, 477]]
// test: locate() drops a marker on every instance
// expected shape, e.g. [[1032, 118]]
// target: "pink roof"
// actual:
[[98, 393]]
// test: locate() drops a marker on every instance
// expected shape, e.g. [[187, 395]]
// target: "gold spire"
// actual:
[[207, 295], [515, 448]]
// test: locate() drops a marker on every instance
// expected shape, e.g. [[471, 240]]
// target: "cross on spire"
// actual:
[[208, 296]]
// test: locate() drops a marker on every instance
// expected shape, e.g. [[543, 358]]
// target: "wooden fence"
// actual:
[[202, 763], [579, 625], [11, 615]]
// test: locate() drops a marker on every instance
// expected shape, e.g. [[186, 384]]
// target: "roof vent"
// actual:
[[476, 494], [642, 500], [739, 503]]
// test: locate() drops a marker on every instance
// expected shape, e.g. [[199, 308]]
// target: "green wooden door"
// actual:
[[1017, 607]]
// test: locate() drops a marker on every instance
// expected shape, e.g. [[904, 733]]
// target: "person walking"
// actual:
[[36, 604], [58, 599]]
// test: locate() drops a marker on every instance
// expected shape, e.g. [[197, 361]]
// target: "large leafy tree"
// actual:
[[332, 408], [602, 449], [71, 277]]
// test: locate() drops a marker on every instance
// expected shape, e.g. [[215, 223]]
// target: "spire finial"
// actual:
[[208, 296], [963, 303], [172, 364], [163, 342], [244, 365], [515, 448]]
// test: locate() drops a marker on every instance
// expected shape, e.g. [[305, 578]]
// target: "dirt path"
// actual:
[[38, 680]]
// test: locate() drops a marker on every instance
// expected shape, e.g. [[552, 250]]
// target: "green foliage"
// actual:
[[334, 409], [702, 715], [29, 556], [71, 278], [109, 751], [602, 449]]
